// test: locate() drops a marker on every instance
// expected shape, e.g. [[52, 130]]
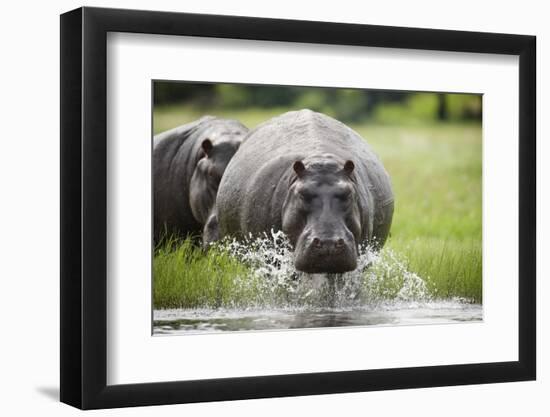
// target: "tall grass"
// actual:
[[184, 276], [450, 268]]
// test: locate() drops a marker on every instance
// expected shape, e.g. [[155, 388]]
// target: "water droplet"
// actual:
[[274, 282]]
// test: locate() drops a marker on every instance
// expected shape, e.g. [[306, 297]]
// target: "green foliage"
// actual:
[[422, 108], [349, 105], [417, 109], [314, 99], [232, 96], [343, 104], [238, 96], [346, 104], [464, 106], [182, 92]]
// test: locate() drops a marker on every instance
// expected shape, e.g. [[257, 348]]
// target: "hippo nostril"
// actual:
[[339, 243], [317, 242]]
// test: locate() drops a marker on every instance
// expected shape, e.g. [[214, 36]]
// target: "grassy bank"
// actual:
[[436, 176]]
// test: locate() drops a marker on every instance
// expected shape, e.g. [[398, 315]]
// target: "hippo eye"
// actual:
[[307, 196], [343, 195]]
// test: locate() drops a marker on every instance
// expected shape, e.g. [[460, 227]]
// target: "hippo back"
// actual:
[[256, 181], [176, 153]]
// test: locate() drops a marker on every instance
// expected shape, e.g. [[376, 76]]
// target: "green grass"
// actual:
[[437, 226], [185, 277]]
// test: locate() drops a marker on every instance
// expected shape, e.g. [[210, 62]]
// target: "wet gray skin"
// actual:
[[321, 215], [313, 178], [188, 164]]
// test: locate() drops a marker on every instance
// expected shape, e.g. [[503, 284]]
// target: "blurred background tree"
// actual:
[[345, 104]]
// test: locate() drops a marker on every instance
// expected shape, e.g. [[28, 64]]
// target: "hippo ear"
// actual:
[[349, 166], [207, 146], [299, 168]]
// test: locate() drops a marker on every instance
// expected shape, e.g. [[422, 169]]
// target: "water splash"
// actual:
[[380, 278]]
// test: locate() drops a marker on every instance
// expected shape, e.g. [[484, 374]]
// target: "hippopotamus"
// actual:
[[188, 164], [315, 179]]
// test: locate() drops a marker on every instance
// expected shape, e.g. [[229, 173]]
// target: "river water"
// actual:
[[192, 321], [380, 292]]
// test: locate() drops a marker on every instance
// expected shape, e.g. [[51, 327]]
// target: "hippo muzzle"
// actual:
[[326, 253]]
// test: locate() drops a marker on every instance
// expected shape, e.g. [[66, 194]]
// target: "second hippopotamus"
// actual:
[[315, 179], [188, 164]]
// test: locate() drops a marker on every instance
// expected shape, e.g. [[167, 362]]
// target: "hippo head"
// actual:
[[321, 215], [214, 155]]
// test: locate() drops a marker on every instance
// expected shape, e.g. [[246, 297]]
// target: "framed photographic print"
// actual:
[[257, 208]]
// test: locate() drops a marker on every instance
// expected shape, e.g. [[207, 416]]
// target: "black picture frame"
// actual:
[[84, 207]]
